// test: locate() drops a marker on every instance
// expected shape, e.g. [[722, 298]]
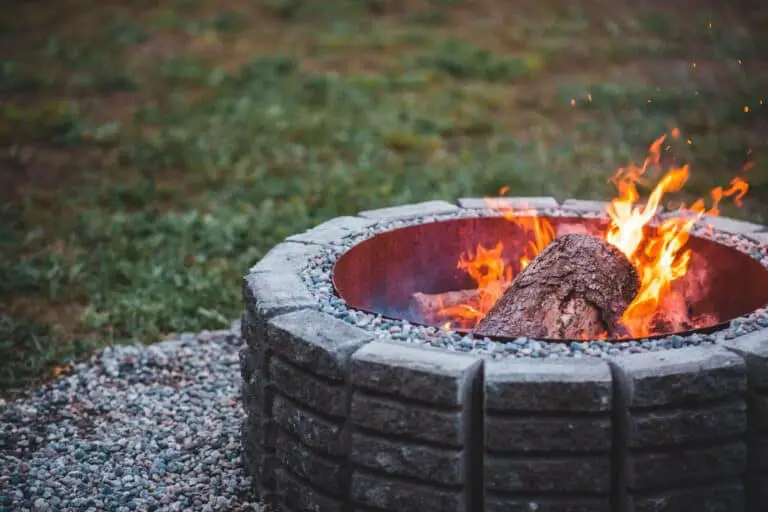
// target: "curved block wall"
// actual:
[[339, 421]]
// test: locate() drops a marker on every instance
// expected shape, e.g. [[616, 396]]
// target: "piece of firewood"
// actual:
[[427, 306], [576, 288]]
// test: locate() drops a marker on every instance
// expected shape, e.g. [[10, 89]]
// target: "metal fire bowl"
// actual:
[[379, 275]]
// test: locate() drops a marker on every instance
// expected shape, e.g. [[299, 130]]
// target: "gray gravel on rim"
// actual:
[[136, 428]]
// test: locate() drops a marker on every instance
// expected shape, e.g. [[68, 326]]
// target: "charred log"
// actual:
[[576, 288]]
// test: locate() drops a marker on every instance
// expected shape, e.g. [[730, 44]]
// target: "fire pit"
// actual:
[[357, 399], [354, 409]]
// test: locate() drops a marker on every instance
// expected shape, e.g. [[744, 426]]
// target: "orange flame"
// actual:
[[492, 276], [659, 255], [656, 247], [488, 268]]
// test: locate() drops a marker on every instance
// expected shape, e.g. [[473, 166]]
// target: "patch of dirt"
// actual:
[[35, 168], [66, 317], [159, 46]]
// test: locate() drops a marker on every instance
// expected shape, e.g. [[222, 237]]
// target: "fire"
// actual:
[[660, 257], [657, 247], [489, 270], [492, 276]]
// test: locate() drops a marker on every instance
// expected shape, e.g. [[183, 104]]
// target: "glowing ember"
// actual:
[[656, 247]]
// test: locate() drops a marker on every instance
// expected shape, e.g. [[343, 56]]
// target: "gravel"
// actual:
[[136, 428], [317, 275]]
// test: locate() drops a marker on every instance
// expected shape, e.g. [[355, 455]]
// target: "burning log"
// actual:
[[576, 288], [427, 306]]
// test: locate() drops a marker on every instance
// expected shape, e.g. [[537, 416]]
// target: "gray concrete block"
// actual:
[[382, 493], [676, 426], [254, 332], [269, 294], [261, 429], [260, 464], [681, 376], [316, 341], [739, 227], [482, 203], [676, 467], [711, 498], [315, 394], [332, 231], [408, 460], [408, 421], [327, 474], [250, 363], [590, 473], [584, 205], [536, 434], [431, 376], [537, 504], [252, 450], [758, 452], [753, 347], [254, 401], [424, 209], [756, 491], [314, 431], [296, 495], [548, 385], [286, 257], [758, 405], [760, 237]]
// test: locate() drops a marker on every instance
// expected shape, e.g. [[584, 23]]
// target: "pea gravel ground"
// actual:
[[136, 428]]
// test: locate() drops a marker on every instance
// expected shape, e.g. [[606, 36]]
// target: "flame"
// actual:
[[538, 230], [660, 256], [488, 268], [656, 247]]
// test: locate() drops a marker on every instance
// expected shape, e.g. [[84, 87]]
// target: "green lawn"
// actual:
[[151, 154]]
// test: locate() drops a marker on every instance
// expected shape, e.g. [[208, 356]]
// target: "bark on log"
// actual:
[[427, 306], [576, 288]]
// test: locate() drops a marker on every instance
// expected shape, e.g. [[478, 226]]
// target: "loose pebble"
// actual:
[[137, 428]]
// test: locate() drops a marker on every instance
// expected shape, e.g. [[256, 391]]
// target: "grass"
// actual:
[[149, 157]]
